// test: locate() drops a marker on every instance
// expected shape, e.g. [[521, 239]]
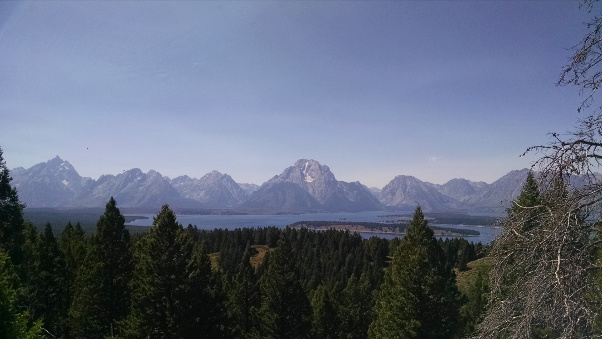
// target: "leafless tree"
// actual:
[[579, 151], [546, 278], [542, 279]]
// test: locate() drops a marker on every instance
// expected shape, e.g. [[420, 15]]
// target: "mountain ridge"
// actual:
[[306, 186]]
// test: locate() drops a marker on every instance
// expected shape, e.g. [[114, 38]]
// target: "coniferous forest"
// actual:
[[182, 282], [538, 279]]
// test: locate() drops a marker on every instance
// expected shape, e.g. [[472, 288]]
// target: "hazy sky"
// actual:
[[437, 90]]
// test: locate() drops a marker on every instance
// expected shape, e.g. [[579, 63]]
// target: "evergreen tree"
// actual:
[[324, 314], [244, 300], [356, 307], [472, 312], [172, 295], [13, 322], [47, 284], [285, 309], [527, 205], [419, 298], [11, 217], [102, 296], [28, 271], [73, 246]]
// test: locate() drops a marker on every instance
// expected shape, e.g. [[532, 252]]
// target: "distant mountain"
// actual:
[[305, 186], [132, 188], [353, 196], [282, 196], [314, 178], [407, 192], [50, 184], [456, 194], [460, 189], [315, 181], [249, 188], [213, 190], [56, 183], [500, 193], [375, 191]]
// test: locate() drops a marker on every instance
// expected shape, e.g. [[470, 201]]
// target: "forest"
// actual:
[[538, 279], [181, 282]]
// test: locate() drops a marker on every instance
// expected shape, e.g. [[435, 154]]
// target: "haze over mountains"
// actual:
[[306, 186]]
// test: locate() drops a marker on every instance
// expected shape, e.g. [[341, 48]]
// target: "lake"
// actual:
[[210, 222]]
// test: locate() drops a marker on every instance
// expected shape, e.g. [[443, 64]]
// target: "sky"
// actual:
[[433, 89]]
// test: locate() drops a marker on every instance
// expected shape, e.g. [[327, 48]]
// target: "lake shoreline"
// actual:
[[438, 231]]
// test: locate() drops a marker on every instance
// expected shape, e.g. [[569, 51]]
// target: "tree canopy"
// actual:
[[419, 298]]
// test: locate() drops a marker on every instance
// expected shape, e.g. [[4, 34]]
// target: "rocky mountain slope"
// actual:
[[455, 195], [281, 196], [305, 186], [51, 184], [460, 189], [308, 185], [131, 188], [213, 190], [403, 192]]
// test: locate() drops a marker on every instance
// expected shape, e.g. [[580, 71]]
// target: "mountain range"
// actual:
[[306, 186]]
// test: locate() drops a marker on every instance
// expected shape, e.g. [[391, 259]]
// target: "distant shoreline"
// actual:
[[397, 229], [131, 218]]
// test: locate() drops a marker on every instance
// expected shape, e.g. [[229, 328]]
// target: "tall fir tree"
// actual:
[[14, 323], [419, 298], [356, 307], [73, 246], [473, 310], [244, 299], [102, 297], [285, 309], [46, 288], [324, 320], [12, 224], [172, 296], [528, 205]]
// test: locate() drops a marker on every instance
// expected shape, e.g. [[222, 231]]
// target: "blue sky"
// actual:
[[437, 90]]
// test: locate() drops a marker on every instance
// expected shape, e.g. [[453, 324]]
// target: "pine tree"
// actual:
[[102, 297], [528, 205], [419, 298], [73, 246], [285, 309], [472, 312], [356, 307], [172, 295], [12, 224], [244, 300], [47, 284], [324, 318], [13, 322]]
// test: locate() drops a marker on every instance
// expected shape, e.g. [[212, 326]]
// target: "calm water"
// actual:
[[210, 222]]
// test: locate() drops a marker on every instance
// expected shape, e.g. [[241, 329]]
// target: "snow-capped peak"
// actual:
[[308, 177]]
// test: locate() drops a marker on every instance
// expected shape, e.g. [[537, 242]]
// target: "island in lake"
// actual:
[[378, 228]]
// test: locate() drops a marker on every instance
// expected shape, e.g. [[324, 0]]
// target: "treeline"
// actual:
[[369, 225], [376, 226], [465, 219], [182, 282], [161, 284], [539, 279]]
